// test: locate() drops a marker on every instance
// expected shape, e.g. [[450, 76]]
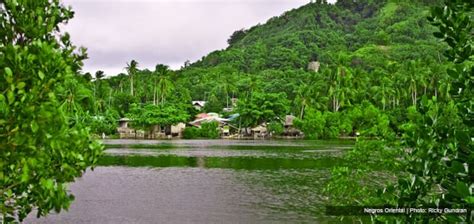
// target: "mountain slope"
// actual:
[[319, 31]]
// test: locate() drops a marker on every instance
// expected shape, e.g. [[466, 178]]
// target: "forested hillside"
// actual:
[[376, 58]]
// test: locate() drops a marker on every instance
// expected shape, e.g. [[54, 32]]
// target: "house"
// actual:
[[225, 130], [259, 131], [156, 132], [199, 105], [166, 131], [177, 129], [198, 122], [202, 115], [224, 126], [124, 130], [290, 130], [289, 121]]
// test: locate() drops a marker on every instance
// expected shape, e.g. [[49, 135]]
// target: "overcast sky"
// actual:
[[162, 31]]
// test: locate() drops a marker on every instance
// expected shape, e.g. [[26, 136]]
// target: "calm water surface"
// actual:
[[204, 181]]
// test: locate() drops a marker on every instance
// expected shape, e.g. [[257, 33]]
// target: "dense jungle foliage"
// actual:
[[377, 58]]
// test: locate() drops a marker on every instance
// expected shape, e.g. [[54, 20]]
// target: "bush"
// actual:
[[331, 129], [106, 123], [370, 121], [276, 128], [191, 133], [312, 125], [210, 130]]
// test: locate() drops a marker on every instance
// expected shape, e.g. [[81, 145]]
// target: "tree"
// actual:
[[236, 36], [313, 124], [132, 70], [99, 75], [441, 132], [303, 94], [165, 85], [149, 116], [262, 107], [213, 104], [42, 146]]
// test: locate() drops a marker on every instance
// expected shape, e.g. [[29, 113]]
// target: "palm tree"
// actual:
[[163, 82], [413, 77], [99, 75], [131, 70], [340, 83], [383, 91], [304, 96]]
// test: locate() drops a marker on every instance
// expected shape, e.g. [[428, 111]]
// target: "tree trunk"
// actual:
[[302, 111], [131, 85], [154, 95], [414, 97]]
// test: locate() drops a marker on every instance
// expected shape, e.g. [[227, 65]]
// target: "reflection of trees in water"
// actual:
[[295, 192], [200, 161]]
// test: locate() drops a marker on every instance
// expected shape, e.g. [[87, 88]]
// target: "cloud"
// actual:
[[162, 31]]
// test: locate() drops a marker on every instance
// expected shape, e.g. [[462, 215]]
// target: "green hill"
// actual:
[[370, 38], [318, 31]]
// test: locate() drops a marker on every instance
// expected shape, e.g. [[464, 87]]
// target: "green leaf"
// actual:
[[48, 184], [8, 71], [41, 75], [457, 167], [453, 73], [470, 200], [34, 126], [25, 176], [8, 75], [462, 189], [11, 97], [21, 85], [438, 35]]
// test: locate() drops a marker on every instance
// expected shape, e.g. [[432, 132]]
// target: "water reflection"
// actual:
[[247, 163], [203, 182]]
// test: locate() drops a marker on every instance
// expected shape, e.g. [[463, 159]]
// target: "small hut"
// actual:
[[259, 131], [290, 130], [177, 130], [124, 130]]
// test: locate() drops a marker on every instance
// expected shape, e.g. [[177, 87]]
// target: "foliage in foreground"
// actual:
[[436, 151], [43, 141]]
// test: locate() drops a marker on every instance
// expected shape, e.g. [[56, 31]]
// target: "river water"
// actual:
[[204, 181]]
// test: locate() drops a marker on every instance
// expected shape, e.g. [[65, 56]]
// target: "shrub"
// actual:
[[312, 125], [210, 130], [191, 133], [276, 128]]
